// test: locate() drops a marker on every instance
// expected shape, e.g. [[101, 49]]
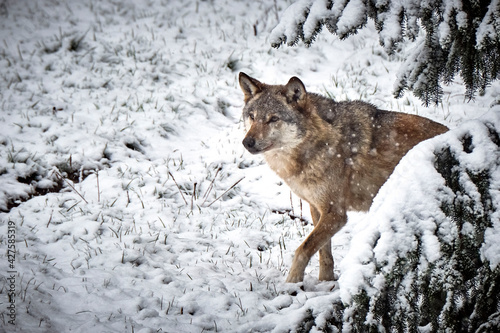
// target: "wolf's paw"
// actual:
[[294, 278], [292, 289]]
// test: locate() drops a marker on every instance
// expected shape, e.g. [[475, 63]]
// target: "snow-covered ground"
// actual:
[[123, 118]]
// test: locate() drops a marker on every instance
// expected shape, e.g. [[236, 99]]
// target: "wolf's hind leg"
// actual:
[[326, 262]]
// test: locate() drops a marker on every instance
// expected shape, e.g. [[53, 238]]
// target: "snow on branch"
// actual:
[[291, 25], [463, 37], [488, 29]]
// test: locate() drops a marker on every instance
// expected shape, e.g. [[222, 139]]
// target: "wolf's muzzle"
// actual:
[[254, 146], [249, 144]]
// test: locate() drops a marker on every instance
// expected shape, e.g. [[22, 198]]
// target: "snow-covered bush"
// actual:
[[458, 37], [427, 257]]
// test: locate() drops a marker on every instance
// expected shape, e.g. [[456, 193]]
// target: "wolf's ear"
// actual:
[[295, 90], [249, 85]]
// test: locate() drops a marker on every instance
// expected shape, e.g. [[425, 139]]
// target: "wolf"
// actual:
[[333, 155]]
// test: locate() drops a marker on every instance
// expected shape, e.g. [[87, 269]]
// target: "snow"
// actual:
[[391, 33], [293, 15], [353, 16], [486, 28], [164, 221], [317, 12]]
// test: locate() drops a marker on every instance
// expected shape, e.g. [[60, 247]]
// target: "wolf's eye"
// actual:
[[274, 119], [251, 116]]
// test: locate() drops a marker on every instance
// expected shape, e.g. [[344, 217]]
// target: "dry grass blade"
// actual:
[[210, 187], [70, 185], [229, 189], [178, 187]]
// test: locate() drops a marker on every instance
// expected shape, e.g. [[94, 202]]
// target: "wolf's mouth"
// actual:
[[255, 151]]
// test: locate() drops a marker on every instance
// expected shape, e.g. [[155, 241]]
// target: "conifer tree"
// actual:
[[452, 37]]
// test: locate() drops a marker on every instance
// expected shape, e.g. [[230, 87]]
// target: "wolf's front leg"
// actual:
[[299, 264], [325, 253], [322, 233]]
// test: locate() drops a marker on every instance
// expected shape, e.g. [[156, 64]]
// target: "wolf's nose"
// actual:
[[249, 143]]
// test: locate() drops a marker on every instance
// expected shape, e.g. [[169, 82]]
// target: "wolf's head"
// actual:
[[274, 115]]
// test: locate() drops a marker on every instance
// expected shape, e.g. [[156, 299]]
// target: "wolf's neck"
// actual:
[[284, 163]]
